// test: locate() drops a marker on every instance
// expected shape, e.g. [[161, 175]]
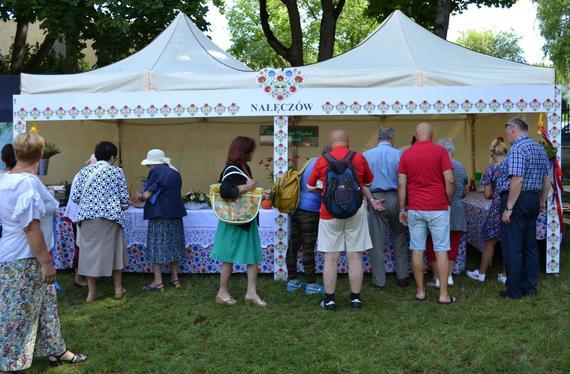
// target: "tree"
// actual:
[[433, 15], [554, 21], [500, 44], [116, 27], [250, 44]]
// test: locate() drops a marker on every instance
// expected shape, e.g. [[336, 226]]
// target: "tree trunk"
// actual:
[[41, 54], [444, 8], [293, 54], [19, 47], [328, 28]]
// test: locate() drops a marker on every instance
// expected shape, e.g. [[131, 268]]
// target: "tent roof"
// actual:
[[401, 53], [181, 57]]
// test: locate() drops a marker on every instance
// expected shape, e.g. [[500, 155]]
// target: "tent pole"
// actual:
[[471, 121], [119, 145], [281, 225]]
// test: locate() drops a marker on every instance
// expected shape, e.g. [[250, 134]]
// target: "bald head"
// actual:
[[339, 137], [424, 131]]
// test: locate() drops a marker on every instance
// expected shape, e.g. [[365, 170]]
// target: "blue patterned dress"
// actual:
[[492, 225]]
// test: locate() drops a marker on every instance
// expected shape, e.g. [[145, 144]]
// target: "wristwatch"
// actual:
[[403, 210], [509, 209]]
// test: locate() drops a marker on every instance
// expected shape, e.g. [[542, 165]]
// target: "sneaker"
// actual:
[[476, 276], [502, 278], [314, 289], [331, 305], [450, 281], [356, 303], [295, 284]]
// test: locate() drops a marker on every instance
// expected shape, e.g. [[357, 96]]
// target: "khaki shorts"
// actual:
[[350, 234]]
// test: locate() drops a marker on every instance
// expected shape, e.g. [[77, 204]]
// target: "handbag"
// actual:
[[242, 209]]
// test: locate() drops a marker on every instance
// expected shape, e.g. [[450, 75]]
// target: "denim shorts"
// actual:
[[436, 222]]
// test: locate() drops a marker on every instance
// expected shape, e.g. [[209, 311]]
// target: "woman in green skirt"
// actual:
[[238, 243]]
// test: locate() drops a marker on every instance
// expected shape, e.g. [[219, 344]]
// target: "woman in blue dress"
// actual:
[[164, 210], [492, 225]]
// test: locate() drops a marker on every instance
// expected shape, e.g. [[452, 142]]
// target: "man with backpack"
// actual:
[[343, 226]]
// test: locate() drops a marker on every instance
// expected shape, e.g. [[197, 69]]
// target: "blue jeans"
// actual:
[[520, 251]]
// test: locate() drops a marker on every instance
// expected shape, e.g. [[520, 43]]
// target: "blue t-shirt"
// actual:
[[166, 200], [309, 201]]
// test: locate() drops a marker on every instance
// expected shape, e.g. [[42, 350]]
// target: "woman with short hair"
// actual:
[[102, 196], [29, 323], [238, 243], [164, 210]]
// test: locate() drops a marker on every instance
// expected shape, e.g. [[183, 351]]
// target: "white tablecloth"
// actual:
[[199, 227]]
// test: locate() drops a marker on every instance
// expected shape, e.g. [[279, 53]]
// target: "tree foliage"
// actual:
[[250, 45], [433, 15], [500, 44], [554, 20], [116, 27]]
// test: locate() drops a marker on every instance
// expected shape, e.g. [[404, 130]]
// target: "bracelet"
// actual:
[[403, 210], [371, 200]]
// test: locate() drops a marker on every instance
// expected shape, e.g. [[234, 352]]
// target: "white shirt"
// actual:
[[23, 198]]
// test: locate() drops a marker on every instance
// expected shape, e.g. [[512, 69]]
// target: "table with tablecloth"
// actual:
[[200, 229], [477, 210]]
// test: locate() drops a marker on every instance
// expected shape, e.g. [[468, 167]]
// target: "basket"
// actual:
[[240, 210]]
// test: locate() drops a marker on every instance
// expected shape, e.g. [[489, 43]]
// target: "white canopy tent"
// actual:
[[401, 69]]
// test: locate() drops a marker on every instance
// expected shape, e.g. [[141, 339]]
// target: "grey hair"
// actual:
[[518, 122], [448, 144], [386, 133]]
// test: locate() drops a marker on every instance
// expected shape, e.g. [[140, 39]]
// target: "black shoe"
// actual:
[[529, 294], [505, 295], [379, 288], [331, 305], [405, 282], [356, 303]]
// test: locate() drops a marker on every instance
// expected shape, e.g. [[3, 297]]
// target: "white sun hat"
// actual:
[[157, 157]]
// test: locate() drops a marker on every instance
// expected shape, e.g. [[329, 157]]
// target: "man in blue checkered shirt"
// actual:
[[523, 186]]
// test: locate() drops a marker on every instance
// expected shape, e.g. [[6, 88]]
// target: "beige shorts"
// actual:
[[350, 234]]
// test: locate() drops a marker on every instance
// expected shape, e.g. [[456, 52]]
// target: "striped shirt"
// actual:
[[526, 159]]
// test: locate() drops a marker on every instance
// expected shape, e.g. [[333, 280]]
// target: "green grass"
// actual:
[[182, 331]]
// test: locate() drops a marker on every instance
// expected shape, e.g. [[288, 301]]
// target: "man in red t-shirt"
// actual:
[[350, 234], [425, 178]]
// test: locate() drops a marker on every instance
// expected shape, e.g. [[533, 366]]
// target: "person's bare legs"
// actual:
[[118, 282], [174, 271], [418, 269], [355, 271], [225, 273], [434, 270], [92, 286], [442, 269], [487, 256], [330, 271], [157, 269], [80, 279], [451, 266], [251, 292]]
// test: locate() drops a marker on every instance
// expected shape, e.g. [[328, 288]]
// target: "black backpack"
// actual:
[[343, 195]]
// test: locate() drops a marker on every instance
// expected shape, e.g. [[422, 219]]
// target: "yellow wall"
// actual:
[[198, 147]]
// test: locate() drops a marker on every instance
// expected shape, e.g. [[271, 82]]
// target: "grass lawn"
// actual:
[[183, 331]]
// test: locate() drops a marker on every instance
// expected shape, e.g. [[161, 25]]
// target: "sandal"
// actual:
[[452, 300], [98, 296], [257, 302], [119, 295], [227, 301], [57, 360], [175, 283], [158, 287], [421, 299]]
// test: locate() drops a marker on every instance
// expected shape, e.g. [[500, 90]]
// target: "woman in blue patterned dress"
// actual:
[[492, 225], [29, 324], [164, 210]]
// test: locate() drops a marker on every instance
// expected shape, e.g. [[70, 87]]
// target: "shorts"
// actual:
[[436, 222], [350, 234], [455, 239]]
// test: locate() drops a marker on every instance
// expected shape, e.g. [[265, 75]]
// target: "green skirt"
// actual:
[[237, 244]]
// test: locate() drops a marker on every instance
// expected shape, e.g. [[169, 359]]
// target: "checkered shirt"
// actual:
[[526, 159]]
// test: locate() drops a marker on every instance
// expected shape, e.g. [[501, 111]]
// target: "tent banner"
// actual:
[[262, 102], [5, 137]]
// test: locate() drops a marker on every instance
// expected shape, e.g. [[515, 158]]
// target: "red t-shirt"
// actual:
[[359, 163], [424, 164]]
